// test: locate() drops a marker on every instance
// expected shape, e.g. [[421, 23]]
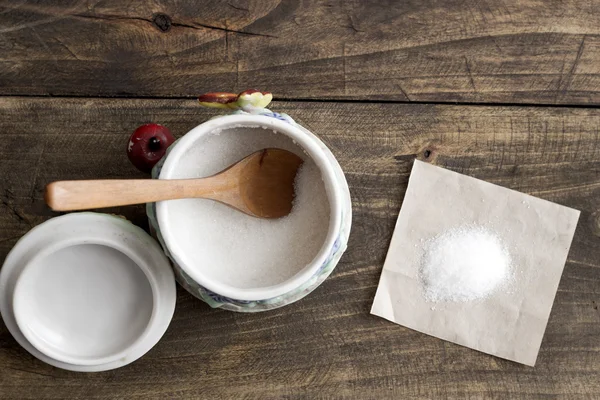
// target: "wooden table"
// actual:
[[505, 91]]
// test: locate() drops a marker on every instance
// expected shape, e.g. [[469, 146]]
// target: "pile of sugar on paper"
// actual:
[[464, 264]]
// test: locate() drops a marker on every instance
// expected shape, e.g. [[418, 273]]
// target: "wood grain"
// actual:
[[326, 345], [507, 51]]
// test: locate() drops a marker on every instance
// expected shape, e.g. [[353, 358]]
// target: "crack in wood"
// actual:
[[352, 25], [344, 67], [31, 372], [37, 172], [64, 46], [238, 7], [197, 25], [470, 74], [405, 157], [403, 92], [568, 80], [111, 17], [16, 212], [283, 98], [194, 25]]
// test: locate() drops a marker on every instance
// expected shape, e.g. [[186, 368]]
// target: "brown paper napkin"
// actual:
[[510, 323]]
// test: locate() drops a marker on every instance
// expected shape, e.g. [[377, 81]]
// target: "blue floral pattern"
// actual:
[[267, 113]]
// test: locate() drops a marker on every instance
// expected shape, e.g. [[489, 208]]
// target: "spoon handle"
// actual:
[[87, 194]]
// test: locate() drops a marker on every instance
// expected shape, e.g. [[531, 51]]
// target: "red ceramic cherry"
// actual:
[[148, 145]]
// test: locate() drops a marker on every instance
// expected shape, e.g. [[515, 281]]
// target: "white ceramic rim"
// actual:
[[32, 240], [63, 244], [311, 147]]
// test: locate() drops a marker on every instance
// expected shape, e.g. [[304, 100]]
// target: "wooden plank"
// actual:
[[327, 345], [511, 51]]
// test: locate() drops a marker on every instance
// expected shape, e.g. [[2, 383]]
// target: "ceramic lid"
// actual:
[[87, 292]]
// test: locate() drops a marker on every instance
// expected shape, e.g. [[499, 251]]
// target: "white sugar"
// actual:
[[233, 248], [464, 264]]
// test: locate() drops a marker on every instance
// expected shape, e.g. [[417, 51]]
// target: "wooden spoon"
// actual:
[[261, 185]]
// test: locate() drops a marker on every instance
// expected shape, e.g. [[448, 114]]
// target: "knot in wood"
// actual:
[[162, 21]]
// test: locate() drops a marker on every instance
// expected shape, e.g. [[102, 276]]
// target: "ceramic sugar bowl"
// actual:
[[238, 262]]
